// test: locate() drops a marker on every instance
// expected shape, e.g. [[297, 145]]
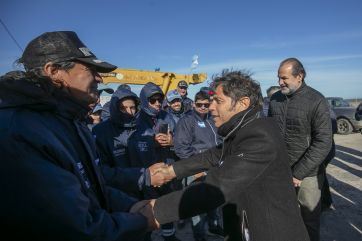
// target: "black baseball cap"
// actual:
[[61, 46], [182, 83]]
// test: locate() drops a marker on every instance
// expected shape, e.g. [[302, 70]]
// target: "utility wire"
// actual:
[[11, 36]]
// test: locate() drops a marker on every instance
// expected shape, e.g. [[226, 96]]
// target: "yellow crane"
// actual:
[[166, 80]]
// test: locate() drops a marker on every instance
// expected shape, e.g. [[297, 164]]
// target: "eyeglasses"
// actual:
[[153, 100], [199, 105]]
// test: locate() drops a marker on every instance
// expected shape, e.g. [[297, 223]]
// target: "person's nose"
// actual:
[[281, 82], [212, 106]]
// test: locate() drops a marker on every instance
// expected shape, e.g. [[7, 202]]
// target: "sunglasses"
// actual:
[[153, 100], [199, 105]]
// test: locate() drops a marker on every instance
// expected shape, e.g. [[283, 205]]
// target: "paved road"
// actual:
[[344, 221]]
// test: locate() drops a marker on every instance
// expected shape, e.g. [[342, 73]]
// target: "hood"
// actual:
[[147, 91], [105, 111], [16, 90], [19, 91], [118, 117]]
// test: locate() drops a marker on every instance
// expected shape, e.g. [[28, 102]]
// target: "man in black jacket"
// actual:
[[249, 174], [303, 117]]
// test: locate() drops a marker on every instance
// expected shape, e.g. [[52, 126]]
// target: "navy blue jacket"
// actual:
[[111, 139], [195, 134], [51, 186], [144, 150]]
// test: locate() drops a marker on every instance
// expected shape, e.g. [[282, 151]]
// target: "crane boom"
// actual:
[[166, 80]]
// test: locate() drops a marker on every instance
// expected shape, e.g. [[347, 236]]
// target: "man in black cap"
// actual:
[[182, 90], [50, 180]]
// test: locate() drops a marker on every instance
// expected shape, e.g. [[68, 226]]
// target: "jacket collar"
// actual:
[[200, 116], [21, 91], [229, 128], [298, 91]]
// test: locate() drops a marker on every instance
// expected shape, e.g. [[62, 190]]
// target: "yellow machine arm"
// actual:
[[166, 80]]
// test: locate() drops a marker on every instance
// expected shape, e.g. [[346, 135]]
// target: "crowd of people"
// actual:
[[228, 161]]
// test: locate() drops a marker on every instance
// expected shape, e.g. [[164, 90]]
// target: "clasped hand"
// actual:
[[161, 173], [145, 207]]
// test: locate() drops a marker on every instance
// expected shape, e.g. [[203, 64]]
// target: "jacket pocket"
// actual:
[[245, 230]]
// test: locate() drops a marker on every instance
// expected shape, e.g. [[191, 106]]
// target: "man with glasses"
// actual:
[[151, 143], [51, 185], [196, 133]]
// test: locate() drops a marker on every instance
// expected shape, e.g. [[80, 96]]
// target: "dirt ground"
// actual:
[[343, 222]]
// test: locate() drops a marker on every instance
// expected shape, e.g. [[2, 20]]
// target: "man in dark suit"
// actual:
[[248, 175]]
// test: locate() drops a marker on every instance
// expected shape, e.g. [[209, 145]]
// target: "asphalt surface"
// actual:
[[343, 222]]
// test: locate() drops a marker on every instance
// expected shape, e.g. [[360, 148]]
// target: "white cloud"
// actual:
[[322, 73]]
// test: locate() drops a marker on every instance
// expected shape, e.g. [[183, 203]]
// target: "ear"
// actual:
[[244, 103], [53, 73], [300, 78]]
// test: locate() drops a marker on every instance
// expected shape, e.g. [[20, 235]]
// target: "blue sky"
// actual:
[[254, 35]]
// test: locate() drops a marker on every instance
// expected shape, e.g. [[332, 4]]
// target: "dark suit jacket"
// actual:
[[250, 176]]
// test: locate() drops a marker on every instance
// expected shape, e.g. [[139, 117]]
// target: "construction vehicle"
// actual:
[[166, 80]]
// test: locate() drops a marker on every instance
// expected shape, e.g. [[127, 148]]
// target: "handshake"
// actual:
[[161, 173], [145, 207]]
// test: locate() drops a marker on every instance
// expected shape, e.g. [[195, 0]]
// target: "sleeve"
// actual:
[[321, 142], [125, 179], [197, 163], [69, 213], [183, 138], [222, 184], [119, 201]]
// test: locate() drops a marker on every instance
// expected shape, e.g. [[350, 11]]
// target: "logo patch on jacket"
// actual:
[[119, 152], [201, 124], [142, 146]]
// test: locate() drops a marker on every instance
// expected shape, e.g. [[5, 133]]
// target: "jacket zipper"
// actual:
[[213, 131]]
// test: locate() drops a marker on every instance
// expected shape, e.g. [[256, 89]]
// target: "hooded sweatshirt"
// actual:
[[111, 138], [144, 150], [51, 185]]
